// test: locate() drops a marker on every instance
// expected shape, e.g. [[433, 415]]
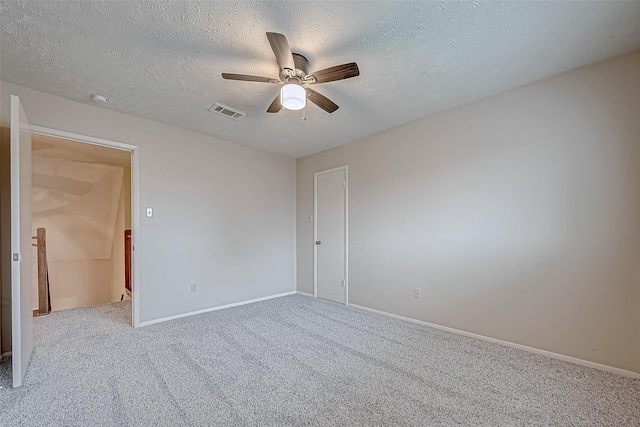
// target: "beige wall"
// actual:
[[80, 283], [77, 204], [518, 216], [224, 214]]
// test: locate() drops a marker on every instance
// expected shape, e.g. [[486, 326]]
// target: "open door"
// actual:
[[21, 303]]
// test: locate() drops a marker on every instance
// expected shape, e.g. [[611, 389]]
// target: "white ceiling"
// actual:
[[162, 60]]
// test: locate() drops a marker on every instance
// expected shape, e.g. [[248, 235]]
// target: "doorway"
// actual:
[[81, 199], [104, 167], [16, 291], [331, 235], [16, 227]]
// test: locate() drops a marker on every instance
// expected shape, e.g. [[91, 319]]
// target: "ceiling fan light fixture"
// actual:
[[294, 73], [293, 97]]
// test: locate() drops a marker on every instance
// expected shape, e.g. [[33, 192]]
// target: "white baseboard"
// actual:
[[207, 310], [551, 354], [305, 294]]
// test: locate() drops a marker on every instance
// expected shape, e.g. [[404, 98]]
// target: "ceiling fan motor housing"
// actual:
[[301, 71]]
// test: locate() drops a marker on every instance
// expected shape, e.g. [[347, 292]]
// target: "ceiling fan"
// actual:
[[294, 73]]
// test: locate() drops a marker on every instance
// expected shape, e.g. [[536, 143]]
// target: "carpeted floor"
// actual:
[[296, 361]]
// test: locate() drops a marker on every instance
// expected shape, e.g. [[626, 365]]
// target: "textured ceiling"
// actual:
[[162, 60]]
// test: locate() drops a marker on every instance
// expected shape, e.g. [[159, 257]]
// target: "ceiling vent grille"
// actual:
[[226, 111]]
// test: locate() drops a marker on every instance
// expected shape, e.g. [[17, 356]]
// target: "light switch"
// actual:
[[149, 212]]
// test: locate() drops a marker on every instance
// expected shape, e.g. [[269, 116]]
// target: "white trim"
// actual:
[[346, 235], [345, 168], [82, 138], [607, 368], [135, 202], [135, 237], [305, 294], [315, 235], [220, 307]]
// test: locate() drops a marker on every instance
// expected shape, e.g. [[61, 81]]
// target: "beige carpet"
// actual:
[[296, 361]]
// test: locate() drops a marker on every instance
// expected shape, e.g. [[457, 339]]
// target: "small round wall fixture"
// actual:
[[293, 97], [99, 99]]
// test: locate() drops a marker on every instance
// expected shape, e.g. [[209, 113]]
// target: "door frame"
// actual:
[[135, 202], [345, 168]]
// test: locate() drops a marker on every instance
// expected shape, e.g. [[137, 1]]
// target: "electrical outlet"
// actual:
[[416, 293], [194, 287]]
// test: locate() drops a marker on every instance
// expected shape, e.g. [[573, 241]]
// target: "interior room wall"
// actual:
[[80, 283], [77, 204], [224, 214], [517, 216]]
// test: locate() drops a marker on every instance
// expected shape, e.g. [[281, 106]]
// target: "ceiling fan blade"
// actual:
[[338, 72], [246, 78], [281, 50], [321, 101], [275, 106]]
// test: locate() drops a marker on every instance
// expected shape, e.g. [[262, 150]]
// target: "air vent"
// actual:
[[226, 111]]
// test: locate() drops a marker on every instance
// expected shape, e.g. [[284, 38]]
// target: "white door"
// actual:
[[21, 303], [331, 234]]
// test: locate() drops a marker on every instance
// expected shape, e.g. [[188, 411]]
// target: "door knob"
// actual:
[[318, 242]]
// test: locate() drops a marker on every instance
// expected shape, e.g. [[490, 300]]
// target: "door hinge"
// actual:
[[344, 184], [16, 256], [344, 283]]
